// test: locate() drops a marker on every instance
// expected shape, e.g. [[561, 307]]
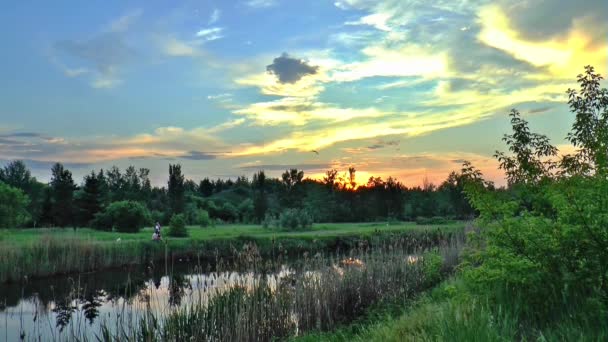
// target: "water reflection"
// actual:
[[53, 308]]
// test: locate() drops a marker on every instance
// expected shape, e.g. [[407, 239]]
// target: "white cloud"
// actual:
[[178, 48], [210, 34], [214, 17], [261, 3]]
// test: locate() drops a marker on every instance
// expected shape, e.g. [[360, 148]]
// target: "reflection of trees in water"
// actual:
[[90, 305], [63, 311], [177, 286]]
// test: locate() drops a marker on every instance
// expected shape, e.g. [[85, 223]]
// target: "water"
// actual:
[[56, 308]]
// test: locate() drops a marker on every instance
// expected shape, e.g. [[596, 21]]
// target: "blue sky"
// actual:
[[404, 88]]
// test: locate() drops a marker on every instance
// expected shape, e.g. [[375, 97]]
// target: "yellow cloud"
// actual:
[[298, 111], [409, 60], [564, 56]]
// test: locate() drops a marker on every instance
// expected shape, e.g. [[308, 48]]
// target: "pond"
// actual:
[[56, 308]]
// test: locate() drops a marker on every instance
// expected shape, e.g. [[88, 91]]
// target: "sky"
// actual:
[[402, 88]]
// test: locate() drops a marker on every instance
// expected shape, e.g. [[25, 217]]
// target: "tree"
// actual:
[[13, 206], [91, 201], [260, 199], [124, 216], [62, 187], [526, 165], [115, 183], [590, 129], [176, 189], [292, 181], [205, 187], [17, 175]]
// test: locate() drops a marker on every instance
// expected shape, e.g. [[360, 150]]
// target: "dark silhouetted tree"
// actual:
[[176, 189]]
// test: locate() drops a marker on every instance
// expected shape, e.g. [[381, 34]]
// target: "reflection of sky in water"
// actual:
[[39, 320]]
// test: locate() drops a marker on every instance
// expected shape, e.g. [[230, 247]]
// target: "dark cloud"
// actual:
[[197, 155], [21, 135], [282, 167], [539, 110], [382, 144], [289, 69], [46, 165], [105, 52], [545, 19]]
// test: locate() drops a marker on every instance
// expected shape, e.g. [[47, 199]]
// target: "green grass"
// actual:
[[32, 235], [43, 252]]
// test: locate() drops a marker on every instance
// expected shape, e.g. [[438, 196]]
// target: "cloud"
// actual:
[[104, 54], [298, 111], [539, 110], [210, 34], [252, 167], [290, 70], [122, 23], [214, 17], [174, 47], [563, 54], [405, 61], [261, 3], [197, 155]]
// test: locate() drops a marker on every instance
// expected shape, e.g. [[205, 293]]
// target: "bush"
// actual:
[[123, 216], [177, 226], [203, 219], [294, 219]]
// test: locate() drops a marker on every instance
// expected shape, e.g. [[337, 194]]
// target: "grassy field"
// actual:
[[18, 237], [44, 252]]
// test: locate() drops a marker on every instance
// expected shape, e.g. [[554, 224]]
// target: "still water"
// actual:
[[58, 308]]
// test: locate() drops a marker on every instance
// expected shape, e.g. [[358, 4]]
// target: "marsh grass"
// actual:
[[319, 296], [319, 292], [43, 252]]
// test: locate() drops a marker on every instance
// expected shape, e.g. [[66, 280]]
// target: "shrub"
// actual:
[[177, 226], [123, 216], [203, 219], [294, 219]]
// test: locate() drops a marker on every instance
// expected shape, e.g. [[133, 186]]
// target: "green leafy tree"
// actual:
[[62, 187], [13, 206], [17, 175], [528, 162], [590, 129], [123, 216]]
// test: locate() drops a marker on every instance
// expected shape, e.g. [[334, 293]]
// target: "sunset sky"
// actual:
[[403, 88]]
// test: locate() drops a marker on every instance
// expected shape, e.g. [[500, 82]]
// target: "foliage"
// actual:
[[175, 189], [123, 216], [544, 247], [13, 206], [527, 164], [295, 218], [203, 218], [63, 187], [590, 129], [177, 226]]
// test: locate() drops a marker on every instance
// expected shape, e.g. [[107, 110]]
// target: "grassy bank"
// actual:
[[44, 252], [450, 312]]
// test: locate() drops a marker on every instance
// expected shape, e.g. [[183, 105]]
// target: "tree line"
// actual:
[[27, 202]]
